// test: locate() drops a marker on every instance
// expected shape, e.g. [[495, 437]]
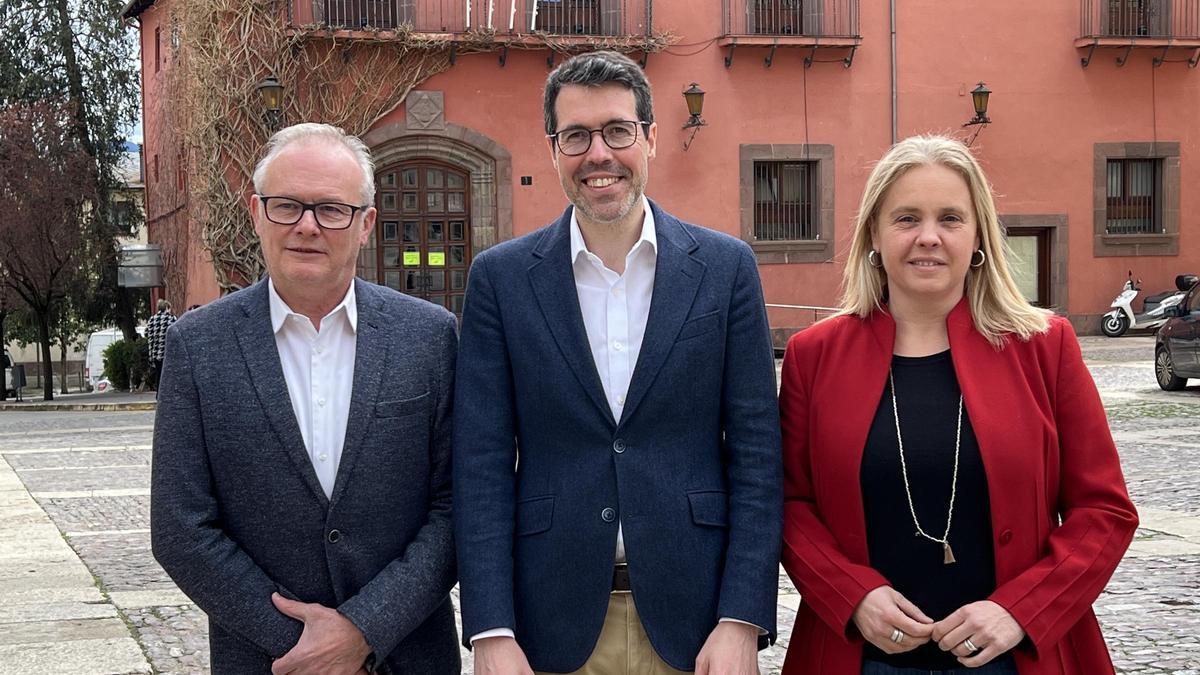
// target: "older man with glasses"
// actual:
[[300, 489], [618, 490]]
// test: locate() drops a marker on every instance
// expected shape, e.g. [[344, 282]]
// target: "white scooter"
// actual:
[[1156, 309]]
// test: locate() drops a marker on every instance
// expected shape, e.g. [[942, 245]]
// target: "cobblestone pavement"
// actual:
[[89, 473]]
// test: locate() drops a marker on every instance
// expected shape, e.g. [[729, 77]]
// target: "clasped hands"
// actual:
[[983, 625], [330, 645]]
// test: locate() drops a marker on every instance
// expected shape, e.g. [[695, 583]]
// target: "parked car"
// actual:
[[8, 376], [1177, 345]]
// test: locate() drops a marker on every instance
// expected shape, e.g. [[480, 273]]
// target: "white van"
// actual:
[[93, 363]]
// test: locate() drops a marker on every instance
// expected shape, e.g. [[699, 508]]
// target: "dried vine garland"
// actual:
[[351, 80]]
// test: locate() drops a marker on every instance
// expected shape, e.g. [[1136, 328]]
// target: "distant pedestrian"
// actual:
[[156, 334]]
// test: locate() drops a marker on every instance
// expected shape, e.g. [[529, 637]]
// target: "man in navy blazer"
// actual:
[[300, 488], [618, 496]]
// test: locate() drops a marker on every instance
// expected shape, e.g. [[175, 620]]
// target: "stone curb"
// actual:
[[80, 407]]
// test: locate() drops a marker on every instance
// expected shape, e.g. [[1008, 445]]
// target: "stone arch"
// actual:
[[488, 162]]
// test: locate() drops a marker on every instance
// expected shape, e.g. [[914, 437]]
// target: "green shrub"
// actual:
[[125, 363]]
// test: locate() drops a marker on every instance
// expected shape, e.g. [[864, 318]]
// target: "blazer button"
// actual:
[[608, 515], [1005, 537], [333, 536], [618, 446]]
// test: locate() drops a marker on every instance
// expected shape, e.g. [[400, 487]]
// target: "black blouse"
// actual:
[[927, 400]]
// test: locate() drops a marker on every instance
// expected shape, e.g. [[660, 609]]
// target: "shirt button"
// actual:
[[619, 446], [322, 457], [618, 345], [321, 402], [319, 349], [607, 515], [1005, 537], [333, 536], [621, 400]]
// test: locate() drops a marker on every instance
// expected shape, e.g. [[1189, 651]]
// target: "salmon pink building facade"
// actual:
[[1092, 145]]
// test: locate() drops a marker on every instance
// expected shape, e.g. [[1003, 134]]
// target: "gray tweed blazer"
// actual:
[[237, 512]]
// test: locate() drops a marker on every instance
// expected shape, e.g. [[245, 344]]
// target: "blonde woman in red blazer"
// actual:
[[1007, 423]]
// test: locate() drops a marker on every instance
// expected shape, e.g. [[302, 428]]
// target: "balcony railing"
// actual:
[[616, 18], [801, 18], [1149, 19]]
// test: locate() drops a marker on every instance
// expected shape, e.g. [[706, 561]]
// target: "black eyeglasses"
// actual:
[[618, 135], [329, 215]]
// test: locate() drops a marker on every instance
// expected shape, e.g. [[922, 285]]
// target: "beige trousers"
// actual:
[[623, 648]]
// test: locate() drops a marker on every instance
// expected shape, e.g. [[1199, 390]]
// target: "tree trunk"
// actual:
[[126, 321], [43, 320], [66, 42]]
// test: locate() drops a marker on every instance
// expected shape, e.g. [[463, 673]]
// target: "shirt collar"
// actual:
[[280, 310], [648, 238]]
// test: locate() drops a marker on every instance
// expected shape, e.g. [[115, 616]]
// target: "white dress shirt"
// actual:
[[318, 367], [615, 308]]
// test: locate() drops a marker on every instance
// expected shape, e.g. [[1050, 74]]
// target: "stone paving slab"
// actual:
[[166, 597], [62, 631], [53, 618], [97, 457], [75, 657], [88, 479]]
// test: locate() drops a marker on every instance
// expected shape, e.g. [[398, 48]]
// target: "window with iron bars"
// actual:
[[785, 199], [569, 17], [1133, 196]]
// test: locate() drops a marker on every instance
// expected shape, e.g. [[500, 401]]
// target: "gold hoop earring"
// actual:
[[873, 259], [982, 258]]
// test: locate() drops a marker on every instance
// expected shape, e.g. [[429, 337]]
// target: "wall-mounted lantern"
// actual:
[[694, 96], [270, 94]]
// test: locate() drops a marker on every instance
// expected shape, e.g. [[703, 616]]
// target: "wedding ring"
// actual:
[[970, 646], [897, 636]]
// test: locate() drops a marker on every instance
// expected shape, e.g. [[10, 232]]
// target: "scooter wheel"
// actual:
[[1114, 326]]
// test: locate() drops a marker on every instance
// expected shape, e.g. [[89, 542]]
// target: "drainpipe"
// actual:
[[892, 7]]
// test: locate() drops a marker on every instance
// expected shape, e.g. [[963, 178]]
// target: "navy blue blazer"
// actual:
[[543, 473], [237, 512]]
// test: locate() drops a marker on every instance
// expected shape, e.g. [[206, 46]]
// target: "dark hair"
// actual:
[[594, 69]]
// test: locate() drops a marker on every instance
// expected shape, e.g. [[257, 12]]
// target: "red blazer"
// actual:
[[1061, 515]]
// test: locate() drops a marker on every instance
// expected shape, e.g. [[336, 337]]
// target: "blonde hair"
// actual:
[[997, 306]]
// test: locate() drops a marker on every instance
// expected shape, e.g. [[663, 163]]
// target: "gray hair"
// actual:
[[593, 69], [309, 132]]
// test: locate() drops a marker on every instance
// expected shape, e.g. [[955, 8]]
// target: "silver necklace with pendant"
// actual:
[[947, 552]]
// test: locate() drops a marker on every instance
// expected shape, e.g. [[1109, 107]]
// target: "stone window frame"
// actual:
[[1165, 243], [1059, 241], [817, 250]]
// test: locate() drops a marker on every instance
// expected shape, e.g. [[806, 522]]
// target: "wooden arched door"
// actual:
[[422, 236]]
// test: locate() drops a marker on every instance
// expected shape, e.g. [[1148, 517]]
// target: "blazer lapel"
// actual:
[[553, 281], [677, 277], [840, 447], [370, 355], [257, 342]]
